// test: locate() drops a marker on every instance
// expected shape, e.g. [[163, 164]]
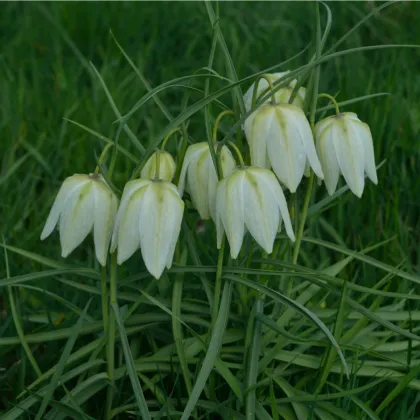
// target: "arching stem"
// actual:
[[332, 99], [255, 92]]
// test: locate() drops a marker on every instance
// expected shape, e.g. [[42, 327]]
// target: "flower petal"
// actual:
[[232, 211], [258, 127], [167, 167], [285, 149], [76, 220], [277, 193], [69, 186], [365, 136], [328, 158], [126, 233], [298, 119], [130, 188], [350, 155], [228, 165], [190, 155], [197, 182], [105, 209], [261, 209], [160, 223]]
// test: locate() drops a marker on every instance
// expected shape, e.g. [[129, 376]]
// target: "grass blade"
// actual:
[[212, 351], [61, 364], [131, 368]]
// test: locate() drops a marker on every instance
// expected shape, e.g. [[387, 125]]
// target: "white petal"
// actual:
[[105, 208], [68, 187], [349, 151], [232, 211], [323, 124], [366, 138], [277, 193], [227, 162], [127, 232], [298, 118], [167, 167], [261, 209], [228, 165], [258, 127], [76, 220], [179, 209], [328, 158], [211, 189], [160, 223], [286, 151], [130, 188], [197, 183], [190, 155]]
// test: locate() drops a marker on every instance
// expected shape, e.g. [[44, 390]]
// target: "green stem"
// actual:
[[255, 91], [166, 139], [104, 298], [217, 122], [102, 157], [302, 221], [238, 153], [314, 98], [218, 284], [181, 155], [111, 336], [332, 99], [218, 164]]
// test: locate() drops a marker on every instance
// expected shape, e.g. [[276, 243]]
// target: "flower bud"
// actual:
[[167, 167], [149, 218], [344, 144], [83, 203], [251, 199], [279, 136], [198, 176], [281, 96]]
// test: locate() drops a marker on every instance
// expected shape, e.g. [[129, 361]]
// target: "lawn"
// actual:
[[323, 328]]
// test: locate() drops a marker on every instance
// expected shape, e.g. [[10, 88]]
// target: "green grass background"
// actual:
[[45, 77]]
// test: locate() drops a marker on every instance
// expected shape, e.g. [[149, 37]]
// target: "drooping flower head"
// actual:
[[83, 203], [167, 166], [251, 199], [149, 218], [199, 178], [279, 136], [281, 96], [344, 145]]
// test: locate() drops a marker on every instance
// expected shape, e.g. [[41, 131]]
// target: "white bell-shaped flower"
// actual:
[[149, 218], [281, 96], [279, 136], [251, 199], [198, 176], [83, 203], [344, 144], [167, 166]]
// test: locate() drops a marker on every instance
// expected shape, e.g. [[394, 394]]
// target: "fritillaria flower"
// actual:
[[280, 137], [149, 218], [281, 96], [167, 166], [344, 145], [83, 203], [251, 199], [199, 178]]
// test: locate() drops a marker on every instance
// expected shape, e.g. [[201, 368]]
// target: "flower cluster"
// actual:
[[238, 198]]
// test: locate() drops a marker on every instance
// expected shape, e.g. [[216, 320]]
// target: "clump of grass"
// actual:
[[179, 352]]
